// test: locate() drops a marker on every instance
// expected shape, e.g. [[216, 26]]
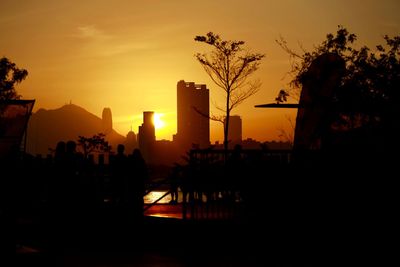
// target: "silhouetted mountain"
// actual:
[[47, 127]]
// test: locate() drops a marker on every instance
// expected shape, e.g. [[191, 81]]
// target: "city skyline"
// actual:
[[198, 133], [129, 56]]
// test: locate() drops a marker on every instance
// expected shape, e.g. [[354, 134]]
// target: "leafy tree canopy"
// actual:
[[10, 75], [368, 95], [96, 143]]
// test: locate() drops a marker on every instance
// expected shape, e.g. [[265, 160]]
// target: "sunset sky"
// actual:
[[129, 55]]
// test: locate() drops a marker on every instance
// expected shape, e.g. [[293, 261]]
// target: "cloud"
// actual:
[[91, 32], [99, 43]]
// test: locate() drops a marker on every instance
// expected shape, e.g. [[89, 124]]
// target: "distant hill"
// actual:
[[47, 127]]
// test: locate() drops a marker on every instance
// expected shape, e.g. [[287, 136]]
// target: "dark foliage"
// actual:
[[10, 75], [96, 143], [367, 99]]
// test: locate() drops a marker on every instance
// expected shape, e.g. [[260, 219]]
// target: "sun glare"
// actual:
[[158, 122]]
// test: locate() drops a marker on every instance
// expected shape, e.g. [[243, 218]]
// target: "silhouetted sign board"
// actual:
[[276, 105], [14, 116]]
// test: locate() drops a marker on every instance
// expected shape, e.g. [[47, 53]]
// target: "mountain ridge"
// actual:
[[47, 127]]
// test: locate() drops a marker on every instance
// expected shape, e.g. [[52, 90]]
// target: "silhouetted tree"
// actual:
[[229, 65], [367, 98], [9, 76], [96, 143]]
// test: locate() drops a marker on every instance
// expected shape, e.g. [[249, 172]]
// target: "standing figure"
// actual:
[[135, 186], [119, 176], [174, 180]]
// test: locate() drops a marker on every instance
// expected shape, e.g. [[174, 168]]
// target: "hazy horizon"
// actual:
[[129, 56], [135, 131]]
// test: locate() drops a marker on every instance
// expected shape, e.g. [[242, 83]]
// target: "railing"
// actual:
[[148, 206], [211, 188], [215, 155], [216, 186]]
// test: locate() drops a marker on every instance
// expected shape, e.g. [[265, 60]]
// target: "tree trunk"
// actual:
[[226, 128]]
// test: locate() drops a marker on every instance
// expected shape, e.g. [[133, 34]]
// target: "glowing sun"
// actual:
[[158, 122]]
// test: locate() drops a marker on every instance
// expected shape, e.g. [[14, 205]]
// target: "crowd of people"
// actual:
[[94, 201]]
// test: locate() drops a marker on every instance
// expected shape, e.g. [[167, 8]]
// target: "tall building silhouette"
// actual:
[[130, 142], [234, 130], [193, 111], [106, 121], [147, 136]]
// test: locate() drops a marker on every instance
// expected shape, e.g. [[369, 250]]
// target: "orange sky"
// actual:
[[129, 55]]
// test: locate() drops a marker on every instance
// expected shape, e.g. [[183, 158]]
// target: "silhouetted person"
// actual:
[[136, 184], [9, 171], [174, 180], [58, 179], [72, 193], [61, 196], [130, 207], [119, 175], [60, 165], [59, 155], [71, 158]]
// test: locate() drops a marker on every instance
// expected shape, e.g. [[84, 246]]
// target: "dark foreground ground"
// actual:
[[174, 242], [171, 242], [320, 222]]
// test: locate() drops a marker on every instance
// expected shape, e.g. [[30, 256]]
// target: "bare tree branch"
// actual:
[[241, 95], [283, 44], [229, 67], [211, 117], [287, 136], [218, 107]]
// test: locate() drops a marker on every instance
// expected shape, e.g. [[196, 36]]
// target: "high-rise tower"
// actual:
[[107, 121], [130, 142], [193, 111], [147, 135]]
